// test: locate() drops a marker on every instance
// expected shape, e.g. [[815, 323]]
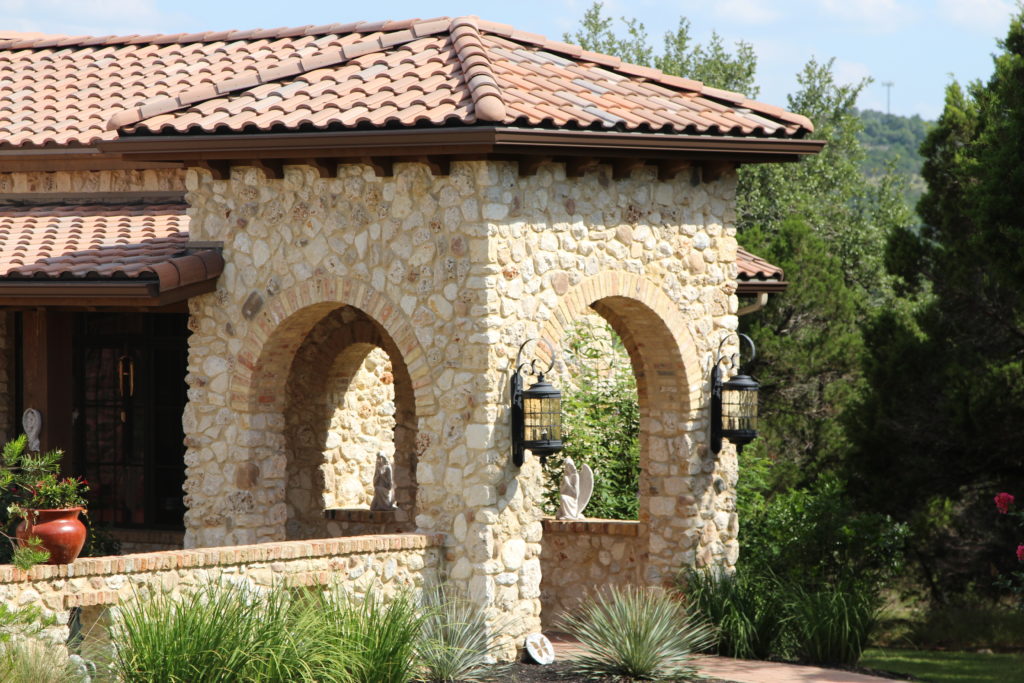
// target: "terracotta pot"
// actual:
[[61, 532]]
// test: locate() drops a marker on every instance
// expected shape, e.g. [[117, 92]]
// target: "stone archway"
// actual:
[[348, 397], [678, 477], [267, 379]]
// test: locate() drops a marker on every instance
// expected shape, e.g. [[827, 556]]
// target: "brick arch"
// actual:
[[645, 318], [670, 388], [276, 332]]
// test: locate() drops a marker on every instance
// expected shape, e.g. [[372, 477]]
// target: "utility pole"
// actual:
[[888, 89]]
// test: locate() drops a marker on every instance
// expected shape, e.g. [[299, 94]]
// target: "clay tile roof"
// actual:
[[754, 274], [61, 90], [102, 242]]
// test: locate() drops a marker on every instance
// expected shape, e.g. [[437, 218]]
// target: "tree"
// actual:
[[944, 417], [819, 219]]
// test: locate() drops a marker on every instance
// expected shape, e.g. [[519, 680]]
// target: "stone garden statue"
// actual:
[[576, 489], [383, 485]]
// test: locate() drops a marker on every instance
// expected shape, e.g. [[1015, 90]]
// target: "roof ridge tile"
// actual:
[[488, 102]]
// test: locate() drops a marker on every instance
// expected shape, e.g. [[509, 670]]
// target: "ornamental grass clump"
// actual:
[[377, 636], [221, 633], [454, 644], [747, 609], [636, 633], [831, 625]]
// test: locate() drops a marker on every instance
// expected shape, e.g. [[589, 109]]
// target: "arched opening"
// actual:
[[348, 399], [674, 472]]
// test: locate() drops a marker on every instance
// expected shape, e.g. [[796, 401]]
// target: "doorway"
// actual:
[[129, 397]]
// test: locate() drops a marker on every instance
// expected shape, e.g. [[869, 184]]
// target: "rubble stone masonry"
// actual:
[[448, 275]]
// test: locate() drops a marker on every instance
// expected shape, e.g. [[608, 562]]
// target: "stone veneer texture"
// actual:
[[454, 273], [386, 563]]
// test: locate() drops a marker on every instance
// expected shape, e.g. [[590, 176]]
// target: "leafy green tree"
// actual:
[[819, 219], [944, 418]]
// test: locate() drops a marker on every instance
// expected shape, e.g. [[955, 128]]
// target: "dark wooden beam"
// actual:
[[713, 170], [327, 168], [382, 166], [529, 165], [47, 367], [670, 168], [273, 169], [218, 168], [577, 166], [623, 168]]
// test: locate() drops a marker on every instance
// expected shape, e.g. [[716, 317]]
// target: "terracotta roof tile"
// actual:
[[751, 267], [61, 90], [93, 241]]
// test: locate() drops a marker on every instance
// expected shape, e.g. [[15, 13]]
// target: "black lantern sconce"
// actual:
[[536, 412], [733, 403]]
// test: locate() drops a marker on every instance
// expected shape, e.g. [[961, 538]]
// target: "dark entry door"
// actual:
[[130, 397]]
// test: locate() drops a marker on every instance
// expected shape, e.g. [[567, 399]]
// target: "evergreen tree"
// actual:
[[943, 421]]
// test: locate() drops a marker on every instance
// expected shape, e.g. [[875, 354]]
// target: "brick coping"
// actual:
[[222, 556], [609, 527]]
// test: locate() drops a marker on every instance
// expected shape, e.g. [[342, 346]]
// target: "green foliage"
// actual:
[[378, 635], [712, 64], [746, 608], [831, 624], [454, 642], [815, 537], [30, 481], [33, 661], [643, 634], [892, 145], [223, 632], [602, 423], [968, 626], [960, 346]]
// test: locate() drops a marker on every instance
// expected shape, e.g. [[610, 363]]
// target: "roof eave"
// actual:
[[95, 294], [748, 287], [470, 140]]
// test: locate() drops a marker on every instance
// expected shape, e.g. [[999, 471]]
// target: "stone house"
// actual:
[[239, 264]]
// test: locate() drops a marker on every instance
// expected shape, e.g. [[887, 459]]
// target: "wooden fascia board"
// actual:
[[748, 287], [458, 141], [67, 294]]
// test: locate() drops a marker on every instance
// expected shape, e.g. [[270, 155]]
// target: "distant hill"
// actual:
[[888, 138]]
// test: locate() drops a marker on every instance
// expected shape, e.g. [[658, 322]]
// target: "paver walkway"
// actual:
[[745, 670]]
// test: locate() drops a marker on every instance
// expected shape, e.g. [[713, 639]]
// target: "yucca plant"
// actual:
[[831, 625], [746, 609], [454, 644], [221, 632], [636, 633]]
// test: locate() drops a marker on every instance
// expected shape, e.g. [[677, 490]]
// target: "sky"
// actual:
[[918, 46]]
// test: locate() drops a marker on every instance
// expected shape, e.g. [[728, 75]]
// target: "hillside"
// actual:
[[889, 138]]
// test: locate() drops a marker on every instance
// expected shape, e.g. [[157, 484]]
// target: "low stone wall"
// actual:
[[388, 562], [579, 557]]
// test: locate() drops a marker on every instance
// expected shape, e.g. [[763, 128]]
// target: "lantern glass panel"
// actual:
[[542, 418], [739, 410]]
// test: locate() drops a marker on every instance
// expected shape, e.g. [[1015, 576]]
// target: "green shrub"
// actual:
[[601, 419], [636, 633], [454, 643], [747, 610], [221, 632], [969, 626], [831, 625], [814, 537]]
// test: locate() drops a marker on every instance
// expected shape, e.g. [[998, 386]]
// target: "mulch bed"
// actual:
[[559, 671]]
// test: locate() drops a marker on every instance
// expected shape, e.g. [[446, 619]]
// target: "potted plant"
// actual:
[[47, 504]]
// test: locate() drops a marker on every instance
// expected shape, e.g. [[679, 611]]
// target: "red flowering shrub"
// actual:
[[1003, 502]]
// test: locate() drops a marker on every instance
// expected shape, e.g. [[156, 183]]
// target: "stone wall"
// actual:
[[387, 563], [452, 274], [581, 557]]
